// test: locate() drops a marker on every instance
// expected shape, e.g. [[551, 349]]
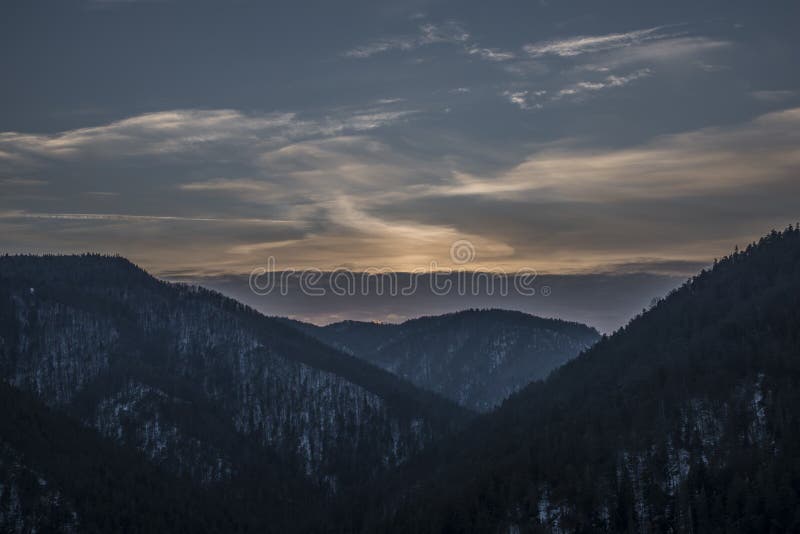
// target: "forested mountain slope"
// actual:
[[56, 475], [686, 420], [476, 358], [206, 388]]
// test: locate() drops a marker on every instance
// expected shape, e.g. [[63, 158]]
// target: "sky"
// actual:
[[198, 138]]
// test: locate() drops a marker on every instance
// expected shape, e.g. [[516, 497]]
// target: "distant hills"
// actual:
[[476, 358], [605, 301]]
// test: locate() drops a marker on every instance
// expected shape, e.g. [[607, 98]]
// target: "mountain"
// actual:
[[476, 358], [207, 389], [685, 420]]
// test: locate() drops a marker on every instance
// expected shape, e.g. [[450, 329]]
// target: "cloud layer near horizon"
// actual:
[[331, 194]]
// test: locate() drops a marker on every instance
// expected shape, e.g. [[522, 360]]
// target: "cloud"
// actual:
[[22, 182], [697, 163], [656, 266], [428, 34], [328, 192], [567, 69], [21, 214], [388, 101], [645, 46], [241, 185], [450, 32], [150, 133], [491, 54], [609, 82], [186, 131], [664, 50], [578, 91], [99, 4], [584, 44], [518, 98], [101, 194], [774, 95], [377, 203], [708, 67]]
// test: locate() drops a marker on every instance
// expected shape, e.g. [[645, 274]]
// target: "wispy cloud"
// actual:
[[646, 46], [552, 70], [774, 95], [428, 34], [671, 49], [21, 214], [519, 99], [695, 163], [584, 44], [388, 101], [609, 82], [491, 54], [239, 185], [185, 131], [357, 200], [22, 182], [578, 91], [450, 32], [107, 3]]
